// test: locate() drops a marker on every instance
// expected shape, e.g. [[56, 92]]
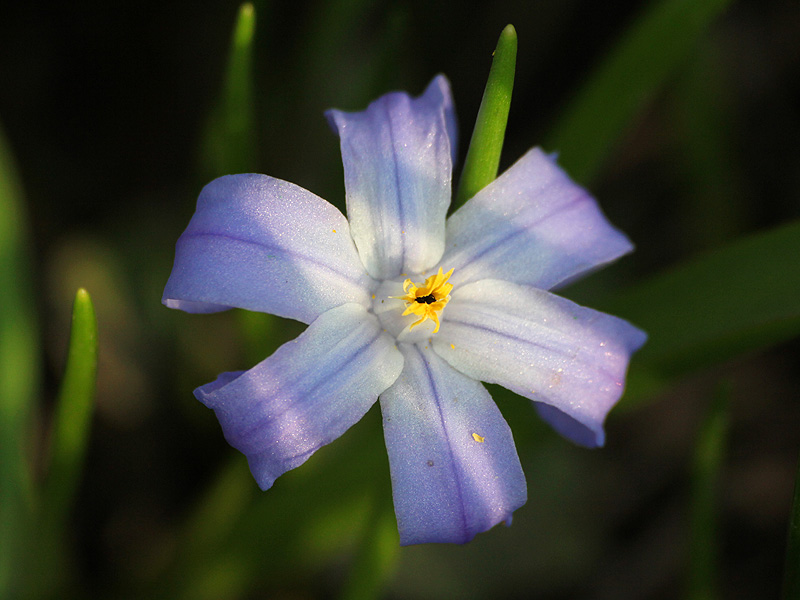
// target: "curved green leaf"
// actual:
[[739, 298]]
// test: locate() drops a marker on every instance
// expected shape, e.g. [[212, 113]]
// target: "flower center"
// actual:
[[428, 299]]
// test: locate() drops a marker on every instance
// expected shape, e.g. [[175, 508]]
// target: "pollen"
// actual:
[[478, 438], [427, 300]]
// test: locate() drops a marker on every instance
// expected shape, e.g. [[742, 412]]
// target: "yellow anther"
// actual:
[[427, 300], [478, 438]]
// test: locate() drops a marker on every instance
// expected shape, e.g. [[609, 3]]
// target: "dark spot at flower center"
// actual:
[[429, 299]]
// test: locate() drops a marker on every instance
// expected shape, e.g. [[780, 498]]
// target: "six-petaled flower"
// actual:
[[406, 305]]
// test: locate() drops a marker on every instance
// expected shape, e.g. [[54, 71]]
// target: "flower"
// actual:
[[407, 306]]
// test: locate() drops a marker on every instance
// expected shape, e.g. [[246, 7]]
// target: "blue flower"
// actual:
[[406, 305]]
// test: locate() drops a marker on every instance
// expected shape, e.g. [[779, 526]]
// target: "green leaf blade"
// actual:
[[740, 298], [486, 145], [74, 408], [49, 569], [230, 140]]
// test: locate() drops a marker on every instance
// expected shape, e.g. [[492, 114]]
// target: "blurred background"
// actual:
[[108, 111]]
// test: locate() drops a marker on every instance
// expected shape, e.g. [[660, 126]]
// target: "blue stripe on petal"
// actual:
[[542, 347], [306, 394], [532, 225], [397, 158], [263, 244], [455, 470]]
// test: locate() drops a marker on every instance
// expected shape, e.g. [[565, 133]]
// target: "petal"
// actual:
[[263, 244], [543, 347], [397, 170], [455, 470], [306, 394], [532, 225], [441, 83]]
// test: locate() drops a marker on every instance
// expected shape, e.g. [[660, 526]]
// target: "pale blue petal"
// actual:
[[543, 347], [532, 225], [455, 470], [441, 83], [306, 394], [397, 158], [263, 244]]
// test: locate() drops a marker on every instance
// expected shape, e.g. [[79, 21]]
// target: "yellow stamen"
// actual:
[[427, 300], [478, 438]]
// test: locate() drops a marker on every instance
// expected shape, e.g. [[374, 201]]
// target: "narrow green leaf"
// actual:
[[74, 409], [645, 58], [708, 458], [230, 141], [49, 567], [483, 155], [791, 576], [19, 367], [739, 298]]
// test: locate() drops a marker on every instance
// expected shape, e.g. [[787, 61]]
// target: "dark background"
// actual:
[[104, 106]]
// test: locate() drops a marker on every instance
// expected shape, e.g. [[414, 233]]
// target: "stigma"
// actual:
[[427, 300]]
